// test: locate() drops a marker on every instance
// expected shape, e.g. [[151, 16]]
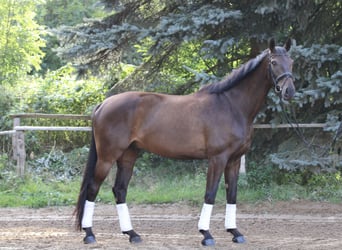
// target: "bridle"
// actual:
[[275, 78]]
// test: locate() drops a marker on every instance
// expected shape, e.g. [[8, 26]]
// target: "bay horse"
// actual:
[[214, 123]]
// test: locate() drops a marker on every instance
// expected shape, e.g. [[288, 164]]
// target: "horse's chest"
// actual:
[[230, 139]]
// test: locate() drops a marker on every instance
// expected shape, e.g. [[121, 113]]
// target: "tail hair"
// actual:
[[87, 176]]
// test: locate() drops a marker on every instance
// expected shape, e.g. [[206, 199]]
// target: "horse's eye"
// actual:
[[274, 62]]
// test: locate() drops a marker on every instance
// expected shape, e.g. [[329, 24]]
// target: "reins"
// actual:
[[310, 146]]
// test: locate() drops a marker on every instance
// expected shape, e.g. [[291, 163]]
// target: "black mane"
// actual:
[[235, 77]]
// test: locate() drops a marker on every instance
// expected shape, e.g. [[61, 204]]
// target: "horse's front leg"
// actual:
[[215, 170], [231, 175]]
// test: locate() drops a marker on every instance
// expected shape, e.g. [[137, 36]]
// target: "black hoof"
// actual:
[[239, 239], [208, 242], [133, 236], [89, 239], [135, 239], [208, 239]]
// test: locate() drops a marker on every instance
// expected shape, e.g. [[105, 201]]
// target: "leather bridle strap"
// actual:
[[276, 79]]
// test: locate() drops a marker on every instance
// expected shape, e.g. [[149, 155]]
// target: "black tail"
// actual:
[[88, 175]]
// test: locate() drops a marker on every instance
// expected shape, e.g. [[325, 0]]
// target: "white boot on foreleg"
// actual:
[[204, 225], [230, 223]]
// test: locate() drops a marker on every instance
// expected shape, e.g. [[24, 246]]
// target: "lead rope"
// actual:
[[310, 146]]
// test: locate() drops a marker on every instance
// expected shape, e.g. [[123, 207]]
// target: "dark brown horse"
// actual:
[[214, 123]]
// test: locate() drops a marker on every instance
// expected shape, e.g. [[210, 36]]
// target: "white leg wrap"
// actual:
[[87, 219], [230, 221], [124, 218], [204, 221]]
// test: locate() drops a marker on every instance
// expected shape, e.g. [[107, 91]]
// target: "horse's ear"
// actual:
[[288, 44], [272, 44]]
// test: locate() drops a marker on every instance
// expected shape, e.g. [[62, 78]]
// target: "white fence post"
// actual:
[[18, 146], [243, 164], [16, 122]]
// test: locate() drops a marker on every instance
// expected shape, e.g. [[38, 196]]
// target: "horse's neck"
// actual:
[[250, 94]]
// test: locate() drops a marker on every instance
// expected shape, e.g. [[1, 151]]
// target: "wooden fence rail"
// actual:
[[49, 128], [18, 132], [8, 132]]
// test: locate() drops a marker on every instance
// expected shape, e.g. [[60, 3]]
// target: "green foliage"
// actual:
[[161, 39], [303, 161], [6, 102], [327, 185], [60, 166], [50, 180], [54, 13], [4, 161], [318, 68], [259, 175], [61, 92], [20, 40]]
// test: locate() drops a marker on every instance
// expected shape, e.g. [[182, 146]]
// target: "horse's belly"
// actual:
[[174, 147]]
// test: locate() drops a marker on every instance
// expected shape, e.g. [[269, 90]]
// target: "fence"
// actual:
[[18, 132]]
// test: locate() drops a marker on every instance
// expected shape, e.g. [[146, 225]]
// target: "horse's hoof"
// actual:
[[135, 239], [133, 236], [239, 239], [208, 242], [208, 239], [89, 239]]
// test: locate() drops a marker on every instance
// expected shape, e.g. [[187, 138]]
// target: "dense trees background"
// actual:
[[174, 47]]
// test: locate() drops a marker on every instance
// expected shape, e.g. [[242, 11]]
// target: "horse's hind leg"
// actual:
[[124, 172], [101, 171]]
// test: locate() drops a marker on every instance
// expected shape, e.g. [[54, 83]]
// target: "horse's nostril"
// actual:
[[288, 93]]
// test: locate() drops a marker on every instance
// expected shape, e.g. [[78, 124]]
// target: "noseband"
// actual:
[[275, 78]]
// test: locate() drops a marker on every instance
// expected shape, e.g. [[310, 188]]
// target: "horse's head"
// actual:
[[280, 69]]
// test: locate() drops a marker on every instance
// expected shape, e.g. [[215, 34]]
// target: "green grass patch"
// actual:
[[35, 192], [162, 184], [166, 189]]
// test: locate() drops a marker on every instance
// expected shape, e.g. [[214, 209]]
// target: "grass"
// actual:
[[35, 192], [158, 185], [165, 189]]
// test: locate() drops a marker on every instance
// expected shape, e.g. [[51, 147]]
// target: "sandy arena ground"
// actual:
[[281, 225]]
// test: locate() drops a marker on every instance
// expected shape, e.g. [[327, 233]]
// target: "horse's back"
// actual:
[[168, 125]]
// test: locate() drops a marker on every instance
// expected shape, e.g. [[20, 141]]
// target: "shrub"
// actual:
[[60, 166]]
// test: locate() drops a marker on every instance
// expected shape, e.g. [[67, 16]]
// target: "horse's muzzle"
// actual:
[[288, 92]]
